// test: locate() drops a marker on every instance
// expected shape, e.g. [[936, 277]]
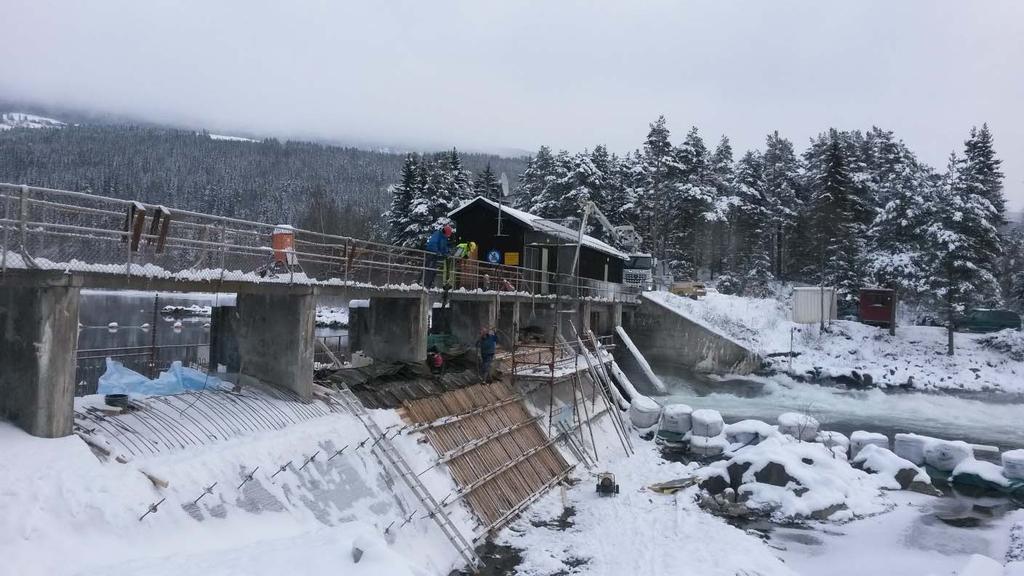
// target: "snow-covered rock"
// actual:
[[980, 473], [861, 438], [644, 412], [707, 422], [1013, 464], [896, 472], [799, 426], [833, 439], [946, 455]]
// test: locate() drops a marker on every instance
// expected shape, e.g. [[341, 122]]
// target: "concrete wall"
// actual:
[[275, 339], [223, 341], [398, 329], [468, 317], [38, 343], [665, 336]]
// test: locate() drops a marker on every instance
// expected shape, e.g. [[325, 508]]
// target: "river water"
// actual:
[[984, 420], [177, 337]]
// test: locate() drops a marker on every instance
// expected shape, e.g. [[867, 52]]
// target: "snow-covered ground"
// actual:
[[915, 356], [9, 120], [62, 511]]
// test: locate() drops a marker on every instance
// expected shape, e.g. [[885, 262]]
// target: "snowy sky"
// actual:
[[517, 74]]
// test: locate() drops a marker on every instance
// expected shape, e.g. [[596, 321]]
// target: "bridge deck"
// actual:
[[61, 237]]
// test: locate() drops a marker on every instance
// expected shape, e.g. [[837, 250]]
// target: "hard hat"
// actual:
[[447, 230]]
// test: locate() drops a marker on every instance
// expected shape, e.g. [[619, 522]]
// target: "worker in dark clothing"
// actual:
[[487, 343], [437, 246]]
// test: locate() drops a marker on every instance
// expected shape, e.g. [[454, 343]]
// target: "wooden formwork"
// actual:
[[497, 453]]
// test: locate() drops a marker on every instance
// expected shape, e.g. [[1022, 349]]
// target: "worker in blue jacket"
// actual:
[[488, 344], [437, 246]]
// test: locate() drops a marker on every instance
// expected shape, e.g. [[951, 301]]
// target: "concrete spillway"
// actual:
[[667, 335]]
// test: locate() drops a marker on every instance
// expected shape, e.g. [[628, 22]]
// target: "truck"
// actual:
[[639, 269]]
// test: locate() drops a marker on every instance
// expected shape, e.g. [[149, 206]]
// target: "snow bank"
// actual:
[[120, 380], [799, 426], [707, 423], [64, 512], [979, 565], [914, 357], [637, 532]]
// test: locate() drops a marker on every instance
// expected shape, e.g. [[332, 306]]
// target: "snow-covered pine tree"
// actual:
[[423, 207], [722, 176], [839, 213], [397, 216], [654, 183], [1011, 269], [486, 184], [962, 245], [981, 171], [902, 190], [751, 218], [691, 205], [782, 201], [535, 179]]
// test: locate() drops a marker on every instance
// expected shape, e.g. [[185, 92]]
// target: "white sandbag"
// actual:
[[799, 426], [862, 438], [676, 418], [748, 432], [705, 446], [833, 439], [644, 412], [944, 455], [707, 423], [911, 447], [1013, 464]]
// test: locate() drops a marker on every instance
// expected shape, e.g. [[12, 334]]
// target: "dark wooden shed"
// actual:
[[523, 239]]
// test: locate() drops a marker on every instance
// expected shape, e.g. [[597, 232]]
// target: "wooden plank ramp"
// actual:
[[500, 457]]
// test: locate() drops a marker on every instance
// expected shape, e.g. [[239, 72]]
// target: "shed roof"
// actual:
[[538, 224]]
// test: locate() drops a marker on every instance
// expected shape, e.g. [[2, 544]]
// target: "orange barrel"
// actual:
[[283, 243]]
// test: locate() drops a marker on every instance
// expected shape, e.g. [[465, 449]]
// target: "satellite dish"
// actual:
[[504, 184]]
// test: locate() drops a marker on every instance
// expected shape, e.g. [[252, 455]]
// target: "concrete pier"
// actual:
[[398, 329], [275, 339], [38, 341], [468, 317]]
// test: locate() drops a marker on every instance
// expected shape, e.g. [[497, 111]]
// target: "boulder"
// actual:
[[775, 474], [714, 485], [799, 426], [707, 423]]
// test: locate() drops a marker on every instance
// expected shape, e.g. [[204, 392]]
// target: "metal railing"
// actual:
[[44, 228]]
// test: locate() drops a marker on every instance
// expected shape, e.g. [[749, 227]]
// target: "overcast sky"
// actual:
[[518, 74]]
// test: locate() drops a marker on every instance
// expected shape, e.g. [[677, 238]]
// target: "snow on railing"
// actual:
[[50, 229]]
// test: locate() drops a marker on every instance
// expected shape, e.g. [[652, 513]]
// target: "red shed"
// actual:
[[878, 306]]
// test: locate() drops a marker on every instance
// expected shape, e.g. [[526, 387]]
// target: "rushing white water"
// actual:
[[943, 416]]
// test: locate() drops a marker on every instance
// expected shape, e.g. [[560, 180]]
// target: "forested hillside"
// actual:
[[341, 190], [853, 209]]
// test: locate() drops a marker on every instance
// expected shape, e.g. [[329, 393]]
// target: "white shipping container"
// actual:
[[808, 302]]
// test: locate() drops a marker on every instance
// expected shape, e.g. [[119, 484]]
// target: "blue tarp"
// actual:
[[120, 380]]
